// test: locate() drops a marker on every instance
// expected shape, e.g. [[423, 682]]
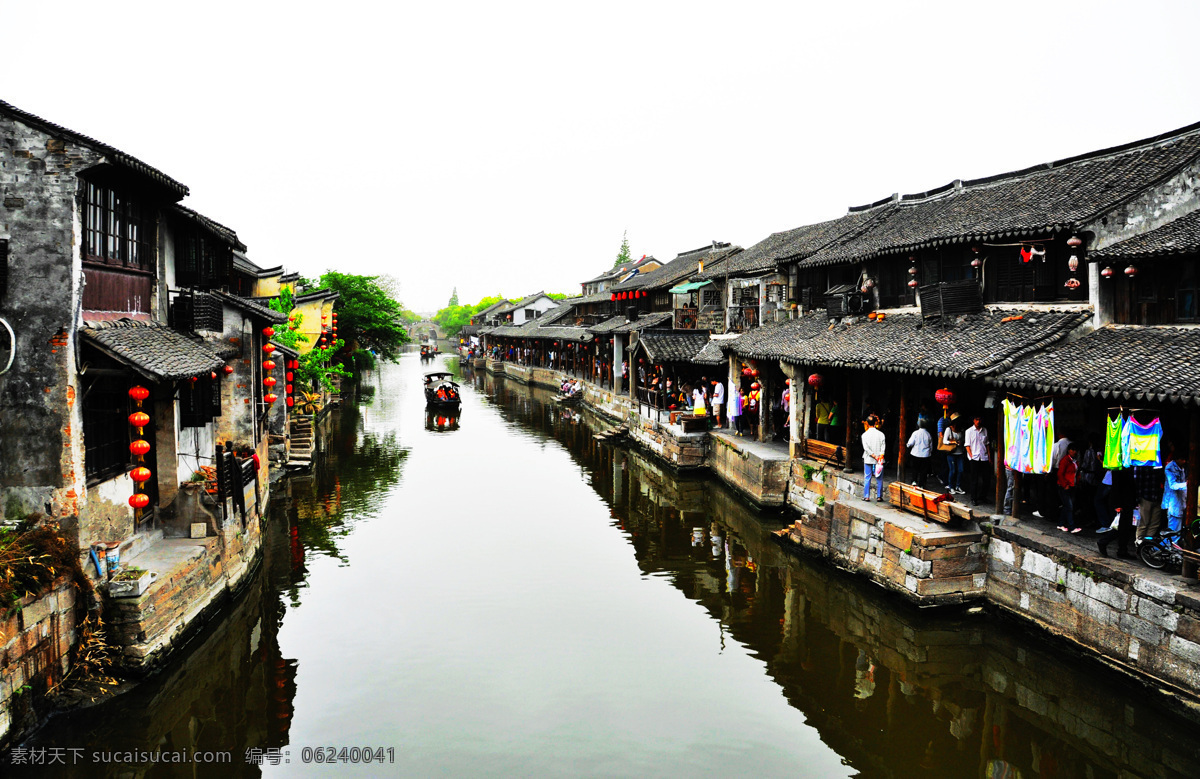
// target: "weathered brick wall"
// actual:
[[764, 482], [35, 647], [1172, 198], [41, 461], [1138, 623]]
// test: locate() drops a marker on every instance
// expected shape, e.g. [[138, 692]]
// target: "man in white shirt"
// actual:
[[977, 445], [718, 400], [874, 443]]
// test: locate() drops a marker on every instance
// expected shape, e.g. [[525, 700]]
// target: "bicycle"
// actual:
[[1164, 550]]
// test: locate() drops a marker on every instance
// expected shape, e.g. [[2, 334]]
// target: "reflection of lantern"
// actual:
[[1073, 263], [268, 348], [269, 331], [1107, 272], [139, 447], [1131, 271], [268, 365], [139, 500], [139, 393], [139, 419], [269, 381], [140, 474], [816, 380], [228, 369], [270, 397]]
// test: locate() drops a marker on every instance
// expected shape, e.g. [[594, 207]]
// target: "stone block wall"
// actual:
[[1145, 625], [35, 647], [764, 482]]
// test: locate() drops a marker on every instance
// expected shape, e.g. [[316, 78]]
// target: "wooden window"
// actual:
[[106, 427], [1187, 292], [199, 402], [711, 297], [117, 230]]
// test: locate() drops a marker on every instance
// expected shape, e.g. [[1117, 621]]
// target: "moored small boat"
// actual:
[[441, 392]]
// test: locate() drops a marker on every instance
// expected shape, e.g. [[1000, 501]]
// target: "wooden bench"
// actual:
[[825, 452], [932, 506]]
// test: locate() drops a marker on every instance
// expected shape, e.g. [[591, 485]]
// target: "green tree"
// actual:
[[454, 318], [369, 318], [454, 297], [623, 255]]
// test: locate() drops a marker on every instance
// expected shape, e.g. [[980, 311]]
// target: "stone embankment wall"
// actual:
[[1142, 625], [35, 649], [764, 482]]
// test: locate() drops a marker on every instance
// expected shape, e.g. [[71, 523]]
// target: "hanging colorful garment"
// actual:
[[1041, 439], [1141, 443], [1048, 421], [1012, 423], [1025, 438], [1112, 443]]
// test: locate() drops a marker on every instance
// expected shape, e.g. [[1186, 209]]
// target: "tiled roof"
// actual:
[[713, 352], [644, 322], [622, 269], [533, 329], [492, 308], [244, 264], [552, 315], [316, 294], [970, 345], [598, 297], [683, 266], [1181, 236], [1060, 195], [215, 228], [251, 307], [525, 301], [469, 330], [153, 349], [672, 346], [789, 245], [115, 155], [1143, 364]]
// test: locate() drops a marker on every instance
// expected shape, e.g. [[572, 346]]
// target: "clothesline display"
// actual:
[[1128, 442], [1028, 437]]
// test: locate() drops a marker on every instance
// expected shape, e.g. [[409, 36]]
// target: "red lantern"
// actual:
[[816, 380], [268, 331], [288, 376], [212, 375], [139, 500], [269, 381], [193, 379], [291, 402], [1074, 242], [139, 419], [268, 348], [294, 364], [292, 318], [1131, 271], [268, 365], [228, 369], [614, 296], [270, 398], [139, 393], [1073, 263], [944, 396], [289, 389], [1107, 272], [912, 283], [139, 447], [140, 474]]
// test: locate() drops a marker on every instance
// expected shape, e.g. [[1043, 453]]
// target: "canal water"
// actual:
[[503, 595]]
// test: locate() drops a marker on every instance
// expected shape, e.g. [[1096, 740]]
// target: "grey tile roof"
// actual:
[[1143, 364], [1181, 236], [116, 156], [620, 270], [645, 322], [153, 349], [672, 346], [598, 297], [525, 301], [713, 352], [1061, 195], [790, 245], [215, 228], [556, 314], [608, 325], [251, 307], [968, 346], [678, 269]]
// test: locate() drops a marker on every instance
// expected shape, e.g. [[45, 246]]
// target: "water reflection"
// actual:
[[775, 664], [441, 421]]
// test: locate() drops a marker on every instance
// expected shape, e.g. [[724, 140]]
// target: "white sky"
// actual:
[[504, 147]]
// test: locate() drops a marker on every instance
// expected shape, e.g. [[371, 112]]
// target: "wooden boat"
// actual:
[[441, 392], [428, 351]]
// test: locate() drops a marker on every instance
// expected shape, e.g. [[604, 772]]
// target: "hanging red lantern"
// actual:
[[291, 402], [945, 397], [1074, 242], [268, 365], [212, 374], [269, 331], [1107, 272], [228, 369], [139, 500], [1131, 271], [288, 375], [912, 271], [1073, 263], [270, 398], [294, 364], [139, 393], [816, 380], [614, 296], [288, 389], [140, 474], [268, 348], [139, 447], [975, 263], [912, 283], [139, 419], [292, 318], [193, 379], [269, 381]]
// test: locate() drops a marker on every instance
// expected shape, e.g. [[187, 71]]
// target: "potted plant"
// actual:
[[130, 583]]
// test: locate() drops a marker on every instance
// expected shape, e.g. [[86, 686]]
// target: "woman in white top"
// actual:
[[921, 444]]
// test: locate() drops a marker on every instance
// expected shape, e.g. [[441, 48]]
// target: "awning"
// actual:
[[691, 286]]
